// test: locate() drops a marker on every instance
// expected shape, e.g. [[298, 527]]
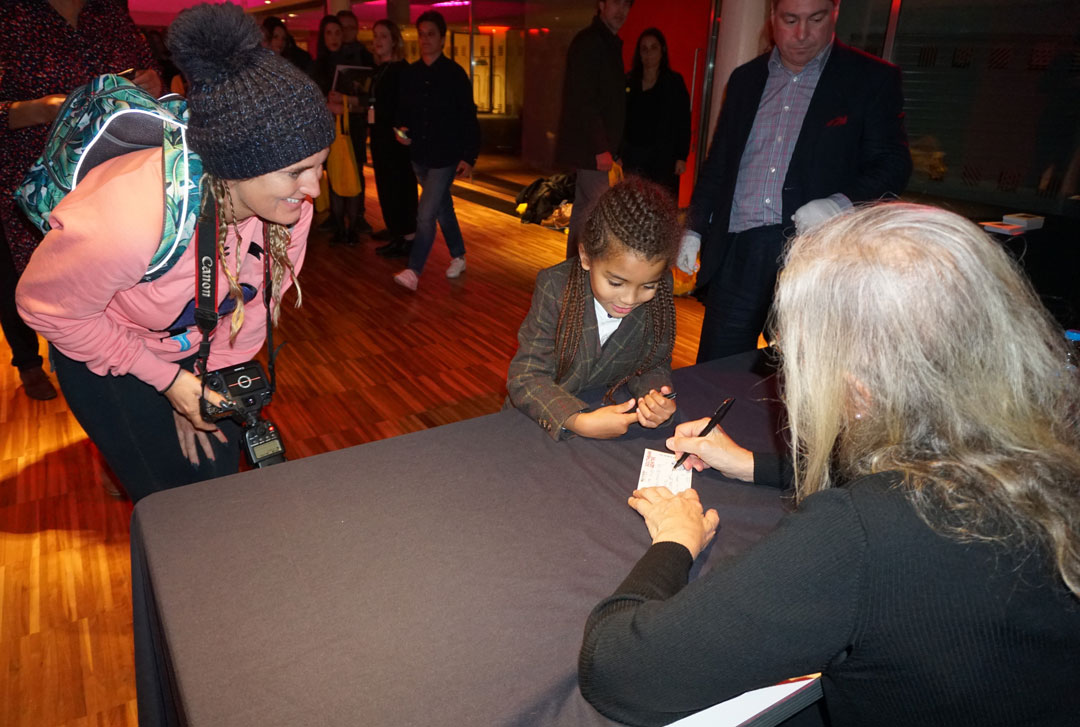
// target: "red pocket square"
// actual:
[[838, 121]]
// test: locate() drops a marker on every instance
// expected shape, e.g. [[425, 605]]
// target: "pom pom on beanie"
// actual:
[[251, 111]]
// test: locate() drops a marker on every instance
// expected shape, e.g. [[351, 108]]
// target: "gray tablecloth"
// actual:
[[442, 577]]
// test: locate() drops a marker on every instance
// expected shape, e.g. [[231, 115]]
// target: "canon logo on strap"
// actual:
[[206, 276]]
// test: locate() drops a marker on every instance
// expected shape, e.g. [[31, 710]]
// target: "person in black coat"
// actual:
[[593, 110], [346, 213], [395, 180], [782, 162], [657, 138]]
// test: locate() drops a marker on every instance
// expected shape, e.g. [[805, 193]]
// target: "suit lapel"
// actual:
[[828, 99]]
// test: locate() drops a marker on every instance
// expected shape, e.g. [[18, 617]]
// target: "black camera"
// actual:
[[246, 391]]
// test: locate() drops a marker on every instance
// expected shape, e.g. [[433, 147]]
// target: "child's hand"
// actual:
[[606, 422], [654, 408]]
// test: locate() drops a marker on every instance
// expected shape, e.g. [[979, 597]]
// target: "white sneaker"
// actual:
[[407, 279], [456, 267]]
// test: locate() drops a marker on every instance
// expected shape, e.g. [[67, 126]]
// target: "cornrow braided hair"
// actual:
[[276, 239], [637, 216]]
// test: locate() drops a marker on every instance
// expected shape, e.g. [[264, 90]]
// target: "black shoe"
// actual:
[[398, 247], [352, 238], [362, 227], [37, 384], [382, 235]]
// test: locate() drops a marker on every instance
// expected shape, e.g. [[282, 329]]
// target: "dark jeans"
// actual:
[[435, 205], [21, 338], [740, 293], [395, 183], [132, 426], [346, 212]]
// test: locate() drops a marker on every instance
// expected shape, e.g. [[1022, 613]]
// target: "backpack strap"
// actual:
[[206, 264]]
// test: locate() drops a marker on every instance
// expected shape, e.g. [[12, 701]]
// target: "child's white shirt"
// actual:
[[605, 324]]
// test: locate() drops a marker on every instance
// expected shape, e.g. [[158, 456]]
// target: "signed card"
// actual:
[[656, 471]]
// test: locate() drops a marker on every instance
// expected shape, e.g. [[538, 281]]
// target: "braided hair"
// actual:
[[637, 216], [276, 239]]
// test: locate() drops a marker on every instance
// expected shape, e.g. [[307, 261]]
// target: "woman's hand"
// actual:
[[606, 422], [654, 408], [335, 103], [36, 112], [464, 170], [717, 450], [149, 81], [680, 166], [184, 395], [188, 435], [676, 518]]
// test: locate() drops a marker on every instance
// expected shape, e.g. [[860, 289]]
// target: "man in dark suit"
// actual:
[[593, 109], [806, 130]]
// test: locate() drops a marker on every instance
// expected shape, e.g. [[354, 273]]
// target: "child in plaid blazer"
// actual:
[[604, 318]]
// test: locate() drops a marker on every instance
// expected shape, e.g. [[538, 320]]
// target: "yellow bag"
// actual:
[[341, 164], [322, 202]]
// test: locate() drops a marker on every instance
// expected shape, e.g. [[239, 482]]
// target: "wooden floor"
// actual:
[[365, 360]]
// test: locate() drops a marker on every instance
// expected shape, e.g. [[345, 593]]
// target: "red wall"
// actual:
[[685, 25]]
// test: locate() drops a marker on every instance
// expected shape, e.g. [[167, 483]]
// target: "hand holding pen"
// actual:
[[703, 443]]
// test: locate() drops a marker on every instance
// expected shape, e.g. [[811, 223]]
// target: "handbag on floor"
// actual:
[[341, 164]]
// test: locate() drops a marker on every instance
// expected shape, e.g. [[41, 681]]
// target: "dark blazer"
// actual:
[[593, 98], [852, 141], [531, 379]]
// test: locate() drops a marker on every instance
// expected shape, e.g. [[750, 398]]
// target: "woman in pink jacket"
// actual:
[[123, 349]]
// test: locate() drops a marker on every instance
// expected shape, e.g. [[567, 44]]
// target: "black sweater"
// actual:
[[436, 104], [907, 627]]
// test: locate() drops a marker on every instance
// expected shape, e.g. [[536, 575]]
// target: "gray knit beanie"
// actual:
[[251, 111]]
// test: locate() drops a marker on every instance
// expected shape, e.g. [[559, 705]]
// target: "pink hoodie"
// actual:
[[81, 289]]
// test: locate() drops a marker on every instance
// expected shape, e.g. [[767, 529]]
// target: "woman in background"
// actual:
[[657, 139], [346, 213], [278, 39], [395, 180], [931, 572]]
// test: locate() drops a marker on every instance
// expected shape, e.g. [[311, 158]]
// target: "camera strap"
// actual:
[[206, 264]]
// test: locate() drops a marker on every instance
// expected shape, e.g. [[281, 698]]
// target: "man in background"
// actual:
[[593, 109], [806, 130]]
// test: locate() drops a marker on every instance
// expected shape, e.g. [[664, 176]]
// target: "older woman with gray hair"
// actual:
[[931, 570]]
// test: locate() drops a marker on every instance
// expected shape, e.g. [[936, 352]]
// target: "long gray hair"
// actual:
[[911, 341]]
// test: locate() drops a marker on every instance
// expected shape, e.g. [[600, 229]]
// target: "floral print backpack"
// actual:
[[103, 119]]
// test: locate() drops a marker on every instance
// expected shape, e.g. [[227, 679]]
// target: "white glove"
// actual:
[[688, 252], [814, 212]]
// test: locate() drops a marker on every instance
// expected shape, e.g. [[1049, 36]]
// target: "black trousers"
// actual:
[[740, 293], [395, 183], [358, 132], [21, 338], [132, 426]]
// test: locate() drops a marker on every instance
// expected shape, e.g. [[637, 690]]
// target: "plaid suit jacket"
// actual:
[[531, 379]]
